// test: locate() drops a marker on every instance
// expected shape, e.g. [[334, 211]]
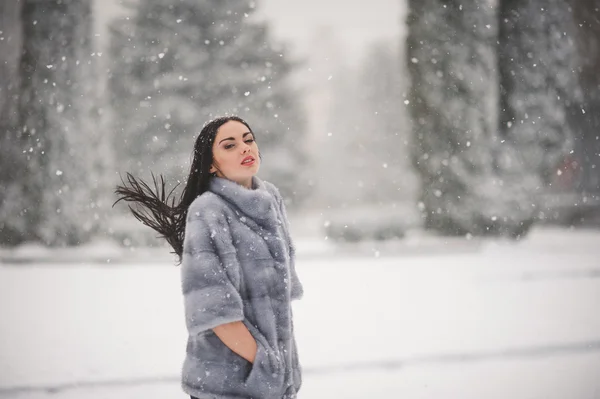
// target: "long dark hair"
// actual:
[[159, 210]]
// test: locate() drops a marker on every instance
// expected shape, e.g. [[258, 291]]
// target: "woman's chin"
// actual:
[[252, 170]]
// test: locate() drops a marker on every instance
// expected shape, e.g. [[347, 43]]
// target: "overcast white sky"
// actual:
[[354, 22]]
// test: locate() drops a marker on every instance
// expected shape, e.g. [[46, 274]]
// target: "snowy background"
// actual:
[[439, 160]]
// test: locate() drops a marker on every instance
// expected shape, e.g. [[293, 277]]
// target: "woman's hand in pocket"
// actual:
[[238, 338]]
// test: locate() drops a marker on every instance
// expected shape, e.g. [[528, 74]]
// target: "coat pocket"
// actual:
[[266, 376], [261, 362]]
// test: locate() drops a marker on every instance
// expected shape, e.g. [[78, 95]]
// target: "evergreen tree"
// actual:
[[538, 62], [57, 138], [587, 14], [343, 182], [451, 56], [384, 127], [368, 130], [331, 120], [178, 64], [11, 165]]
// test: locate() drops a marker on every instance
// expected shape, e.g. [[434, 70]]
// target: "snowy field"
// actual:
[[409, 320]]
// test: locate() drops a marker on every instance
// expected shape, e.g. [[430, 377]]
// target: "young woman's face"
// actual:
[[235, 153]]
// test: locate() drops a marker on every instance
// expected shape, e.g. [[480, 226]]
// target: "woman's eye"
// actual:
[[228, 146]]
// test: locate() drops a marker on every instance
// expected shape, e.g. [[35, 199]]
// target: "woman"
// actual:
[[231, 233]]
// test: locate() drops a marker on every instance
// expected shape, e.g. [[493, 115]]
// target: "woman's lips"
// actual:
[[250, 162]]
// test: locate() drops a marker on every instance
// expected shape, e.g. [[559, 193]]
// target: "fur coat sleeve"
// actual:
[[210, 297]]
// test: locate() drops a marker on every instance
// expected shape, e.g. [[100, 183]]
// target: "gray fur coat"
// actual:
[[238, 265]]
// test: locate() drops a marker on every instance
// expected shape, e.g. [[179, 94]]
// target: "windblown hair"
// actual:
[[156, 208]]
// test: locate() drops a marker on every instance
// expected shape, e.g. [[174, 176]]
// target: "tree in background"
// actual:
[[451, 57], [501, 79], [537, 63], [55, 199], [12, 227], [385, 131], [587, 16], [367, 133], [341, 167], [178, 64]]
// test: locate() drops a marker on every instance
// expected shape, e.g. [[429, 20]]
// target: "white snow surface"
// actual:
[[518, 320]]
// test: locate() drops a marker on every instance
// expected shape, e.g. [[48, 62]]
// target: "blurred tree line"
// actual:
[[174, 65], [364, 153], [503, 106], [587, 119], [178, 64], [503, 94], [53, 156]]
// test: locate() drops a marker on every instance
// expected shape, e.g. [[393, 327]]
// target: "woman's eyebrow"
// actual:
[[231, 138]]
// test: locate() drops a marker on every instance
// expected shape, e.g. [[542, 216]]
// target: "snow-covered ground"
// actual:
[[413, 319]]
